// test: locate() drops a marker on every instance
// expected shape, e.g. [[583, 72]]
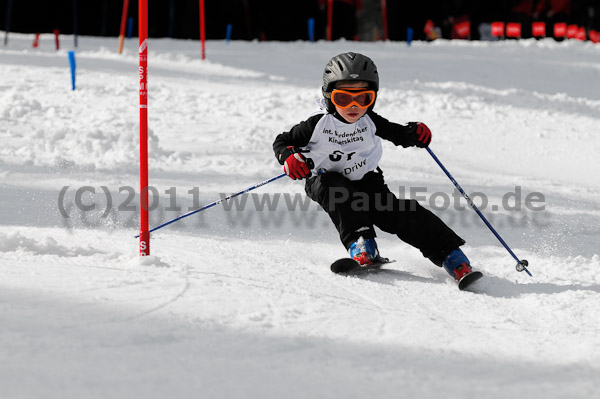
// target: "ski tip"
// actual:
[[344, 265], [350, 266]]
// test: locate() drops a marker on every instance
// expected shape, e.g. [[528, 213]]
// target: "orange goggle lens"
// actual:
[[345, 99]]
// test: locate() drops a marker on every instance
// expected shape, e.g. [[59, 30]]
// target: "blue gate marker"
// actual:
[[73, 67], [228, 33], [129, 27]]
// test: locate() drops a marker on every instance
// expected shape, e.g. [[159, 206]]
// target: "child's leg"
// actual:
[[420, 228], [335, 193], [411, 222]]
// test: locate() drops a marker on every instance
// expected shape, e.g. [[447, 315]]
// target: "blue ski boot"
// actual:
[[364, 251], [458, 266]]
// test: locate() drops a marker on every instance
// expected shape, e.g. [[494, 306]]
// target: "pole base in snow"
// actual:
[[144, 243]]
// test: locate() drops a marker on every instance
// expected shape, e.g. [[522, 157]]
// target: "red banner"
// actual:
[[461, 30], [498, 29], [538, 29], [513, 29], [560, 30], [572, 31]]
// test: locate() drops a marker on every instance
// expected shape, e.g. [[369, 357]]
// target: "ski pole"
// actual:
[[217, 202], [521, 264]]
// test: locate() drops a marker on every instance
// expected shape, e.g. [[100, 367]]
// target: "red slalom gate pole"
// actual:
[[57, 39], [202, 29], [329, 19], [386, 35], [143, 75], [123, 23]]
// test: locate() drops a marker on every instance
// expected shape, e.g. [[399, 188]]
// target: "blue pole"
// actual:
[[228, 33], [129, 27], [171, 18], [73, 67], [311, 29], [409, 35], [75, 23], [521, 264], [7, 25], [217, 202]]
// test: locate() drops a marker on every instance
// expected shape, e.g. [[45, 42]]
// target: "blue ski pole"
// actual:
[[217, 202], [521, 264]]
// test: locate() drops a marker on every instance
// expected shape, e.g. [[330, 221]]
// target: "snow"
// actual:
[[238, 301]]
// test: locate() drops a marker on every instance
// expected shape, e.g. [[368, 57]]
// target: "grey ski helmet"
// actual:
[[348, 66]]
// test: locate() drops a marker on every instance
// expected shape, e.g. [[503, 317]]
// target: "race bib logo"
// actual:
[[337, 156]]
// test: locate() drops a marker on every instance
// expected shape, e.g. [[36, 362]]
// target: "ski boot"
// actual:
[[364, 251], [457, 265]]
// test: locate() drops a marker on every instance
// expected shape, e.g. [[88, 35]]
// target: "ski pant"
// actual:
[[356, 206]]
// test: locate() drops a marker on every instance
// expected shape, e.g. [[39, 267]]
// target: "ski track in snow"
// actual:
[[241, 303]]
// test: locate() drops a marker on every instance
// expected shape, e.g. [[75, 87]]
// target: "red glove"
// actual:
[[295, 165], [420, 135]]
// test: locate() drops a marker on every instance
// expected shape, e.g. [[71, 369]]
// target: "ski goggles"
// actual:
[[344, 98]]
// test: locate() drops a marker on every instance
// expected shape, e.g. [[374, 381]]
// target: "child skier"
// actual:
[[338, 150]]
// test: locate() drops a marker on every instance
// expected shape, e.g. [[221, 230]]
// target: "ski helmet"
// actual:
[[348, 66]]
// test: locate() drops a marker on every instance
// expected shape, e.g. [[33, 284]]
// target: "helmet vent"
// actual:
[[341, 66]]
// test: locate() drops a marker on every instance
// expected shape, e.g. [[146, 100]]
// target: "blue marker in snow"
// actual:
[[409, 36], [129, 27], [228, 33], [311, 29], [73, 67]]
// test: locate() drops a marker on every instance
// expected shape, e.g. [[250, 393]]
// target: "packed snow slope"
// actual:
[[238, 301]]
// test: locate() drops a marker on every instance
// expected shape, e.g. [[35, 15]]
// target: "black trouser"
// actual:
[[356, 206]]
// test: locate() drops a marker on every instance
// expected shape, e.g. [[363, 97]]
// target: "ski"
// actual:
[[350, 266], [469, 279]]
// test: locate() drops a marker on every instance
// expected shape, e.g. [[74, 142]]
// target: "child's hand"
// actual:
[[419, 134], [295, 165]]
